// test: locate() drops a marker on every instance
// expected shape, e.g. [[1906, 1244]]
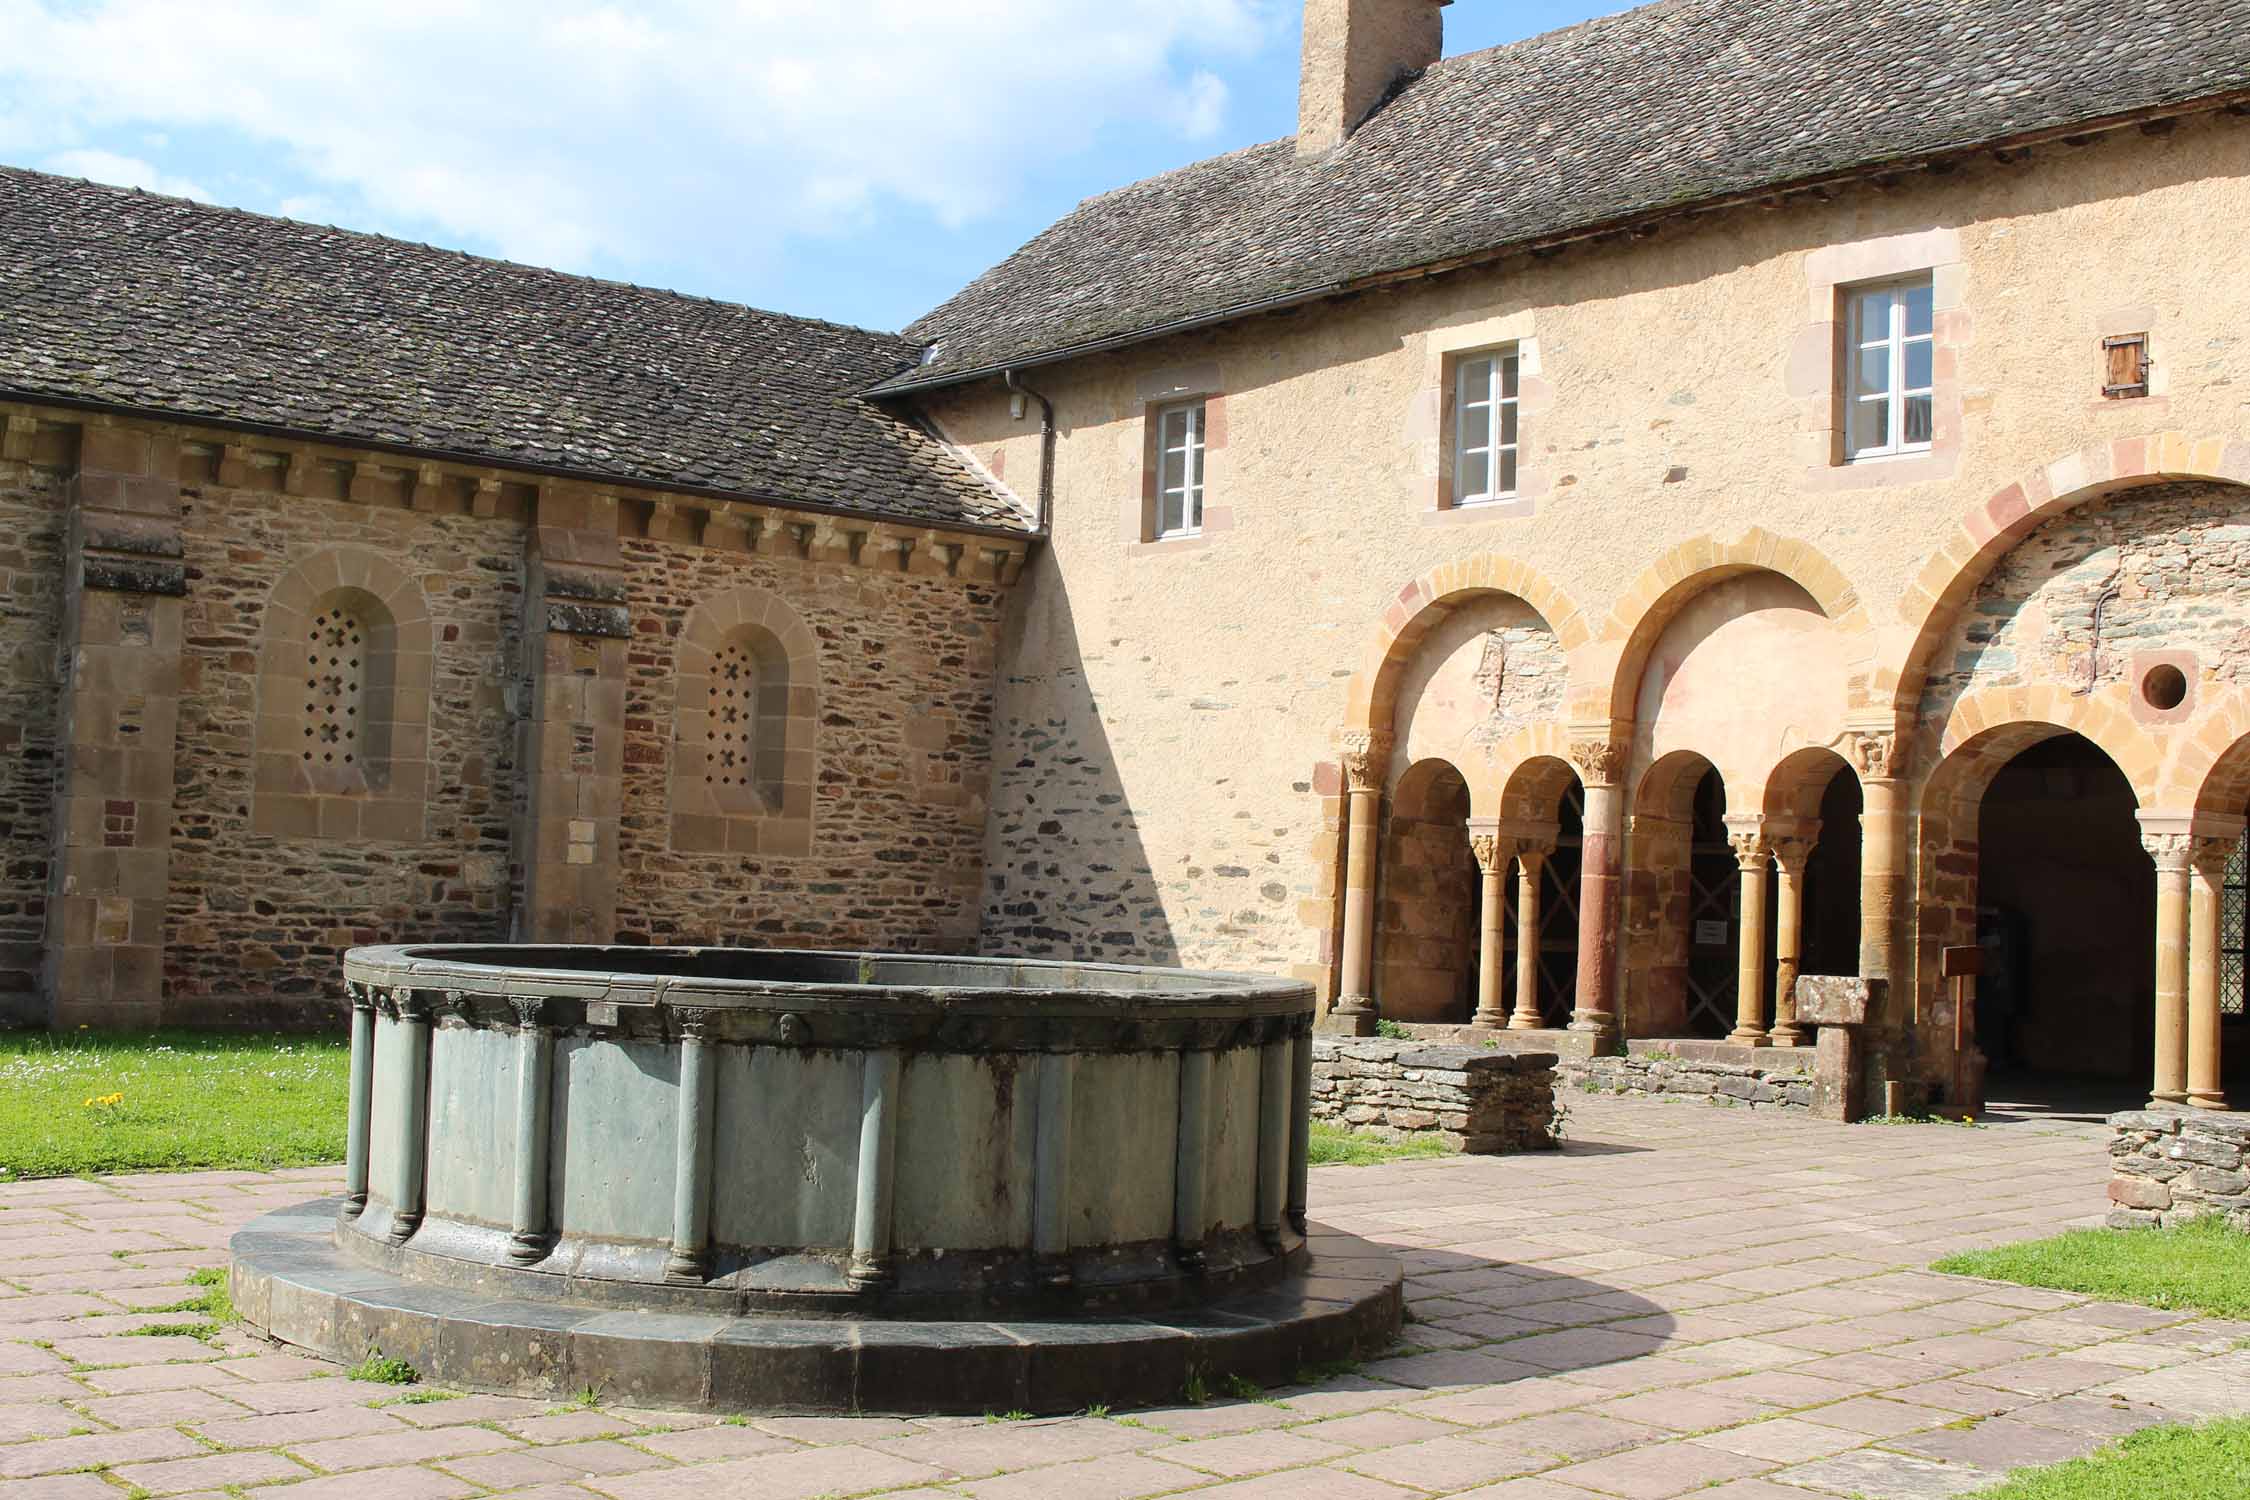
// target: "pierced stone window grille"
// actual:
[[1890, 388], [734, 716], [335, 689]]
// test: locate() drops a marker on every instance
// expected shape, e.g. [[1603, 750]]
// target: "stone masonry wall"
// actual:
[[2168, 1166], [258, 921], [902, 768], [31, 524], [1786, 1082], [1479, 1101], [2161, 567]]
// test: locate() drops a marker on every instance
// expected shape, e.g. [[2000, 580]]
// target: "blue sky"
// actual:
[[855, 161]]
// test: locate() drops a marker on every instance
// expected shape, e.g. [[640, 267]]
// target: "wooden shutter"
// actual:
[[2125, 365]]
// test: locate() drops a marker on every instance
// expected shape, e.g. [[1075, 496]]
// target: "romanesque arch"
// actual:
[[1428, 601], [344, 670], [747, 685], [1933, 602], [1647, 609]]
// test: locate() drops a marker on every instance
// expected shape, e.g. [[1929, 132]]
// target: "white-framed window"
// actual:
[[1484, 427], [1891, 356], [1179, 470]]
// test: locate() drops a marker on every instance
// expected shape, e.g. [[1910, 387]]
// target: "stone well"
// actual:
[[760, 1180]]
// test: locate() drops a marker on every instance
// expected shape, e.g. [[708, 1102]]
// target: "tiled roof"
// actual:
[[1675, 103], [121, 298]]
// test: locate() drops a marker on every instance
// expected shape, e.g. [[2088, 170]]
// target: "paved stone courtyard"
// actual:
[[1687, 1299]]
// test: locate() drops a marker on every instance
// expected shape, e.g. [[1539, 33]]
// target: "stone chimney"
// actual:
[[1354, 51]]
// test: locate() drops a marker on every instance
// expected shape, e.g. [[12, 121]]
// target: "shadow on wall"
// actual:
[[1066, 874]]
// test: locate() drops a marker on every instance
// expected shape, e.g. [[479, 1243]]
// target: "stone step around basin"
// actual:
[[292, 1284]]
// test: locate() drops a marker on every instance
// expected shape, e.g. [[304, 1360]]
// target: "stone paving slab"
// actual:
[[1685, 1300]]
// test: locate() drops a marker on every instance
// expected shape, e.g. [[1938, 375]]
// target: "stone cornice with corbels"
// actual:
[[48, 437]]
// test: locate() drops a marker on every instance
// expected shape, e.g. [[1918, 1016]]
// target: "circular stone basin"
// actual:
[[557, 1154]]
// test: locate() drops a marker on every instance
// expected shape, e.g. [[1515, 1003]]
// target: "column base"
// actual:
[[1357, 1012], [1521, 1022], [1790, 1036], [1740, 1037], [1487, 1021], [2207, 1101], [2167, 1100]]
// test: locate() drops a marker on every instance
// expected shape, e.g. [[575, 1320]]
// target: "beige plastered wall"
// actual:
[[1166, 757]]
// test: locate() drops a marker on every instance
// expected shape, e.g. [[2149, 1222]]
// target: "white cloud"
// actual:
[[568, 133], [123, 171]]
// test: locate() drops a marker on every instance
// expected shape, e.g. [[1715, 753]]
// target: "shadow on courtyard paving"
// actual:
[[1686, 1299]]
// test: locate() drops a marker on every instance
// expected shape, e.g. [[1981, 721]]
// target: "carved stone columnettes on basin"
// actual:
[[740, 1148]]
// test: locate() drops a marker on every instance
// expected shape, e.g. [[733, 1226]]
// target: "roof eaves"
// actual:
[[34, 397]]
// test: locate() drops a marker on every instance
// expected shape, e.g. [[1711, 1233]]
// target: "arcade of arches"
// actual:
[[1650, 827]]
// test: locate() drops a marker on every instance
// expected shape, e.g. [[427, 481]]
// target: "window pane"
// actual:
[[1174, 429], [1873, 320], [1194, 509], [1874, 373], [1508, 424], [1507, 474], [1918, 308], [1173, 475], [1917, 419], [1508, 376], [1476, 381], [1871, 425], [1169, 513], [1918, 365], [1475, 476]]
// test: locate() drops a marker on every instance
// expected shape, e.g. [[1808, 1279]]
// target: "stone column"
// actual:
[[1492, 853], [1601, 873], [1531, 863], [1753, 855], [123, 589], [2206, 899], [1885, 903], [1790, 851], [575, 629], [2170, 851], [1366, 756]]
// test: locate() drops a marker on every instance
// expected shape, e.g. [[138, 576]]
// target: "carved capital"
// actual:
[[2169, 850], [1875, 754], [415, 1005], [1753, 850], [1492, 857], [693, 1022], [1367, 755], [1791, 852], [361, 997], [531, 1010], [1599, 762], [2210, 856]]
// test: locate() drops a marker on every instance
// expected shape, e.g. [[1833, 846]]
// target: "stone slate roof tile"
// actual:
[[1672, 104], [122, 298]]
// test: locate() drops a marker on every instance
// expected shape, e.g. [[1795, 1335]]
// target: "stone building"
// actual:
[[1591, 529], [355, 590], [1582, 534]]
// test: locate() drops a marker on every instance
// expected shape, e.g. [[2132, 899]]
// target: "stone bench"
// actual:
[[1479, 1100]]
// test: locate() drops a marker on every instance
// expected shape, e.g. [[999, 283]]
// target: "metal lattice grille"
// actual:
[[2231, 926]]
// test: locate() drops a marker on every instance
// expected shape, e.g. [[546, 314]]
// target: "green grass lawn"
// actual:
[[1333, 1145], [90, 1102], [2211, 1462], [2203, 1265]]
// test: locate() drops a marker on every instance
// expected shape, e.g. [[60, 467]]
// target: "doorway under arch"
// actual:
[[2066, 915]]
